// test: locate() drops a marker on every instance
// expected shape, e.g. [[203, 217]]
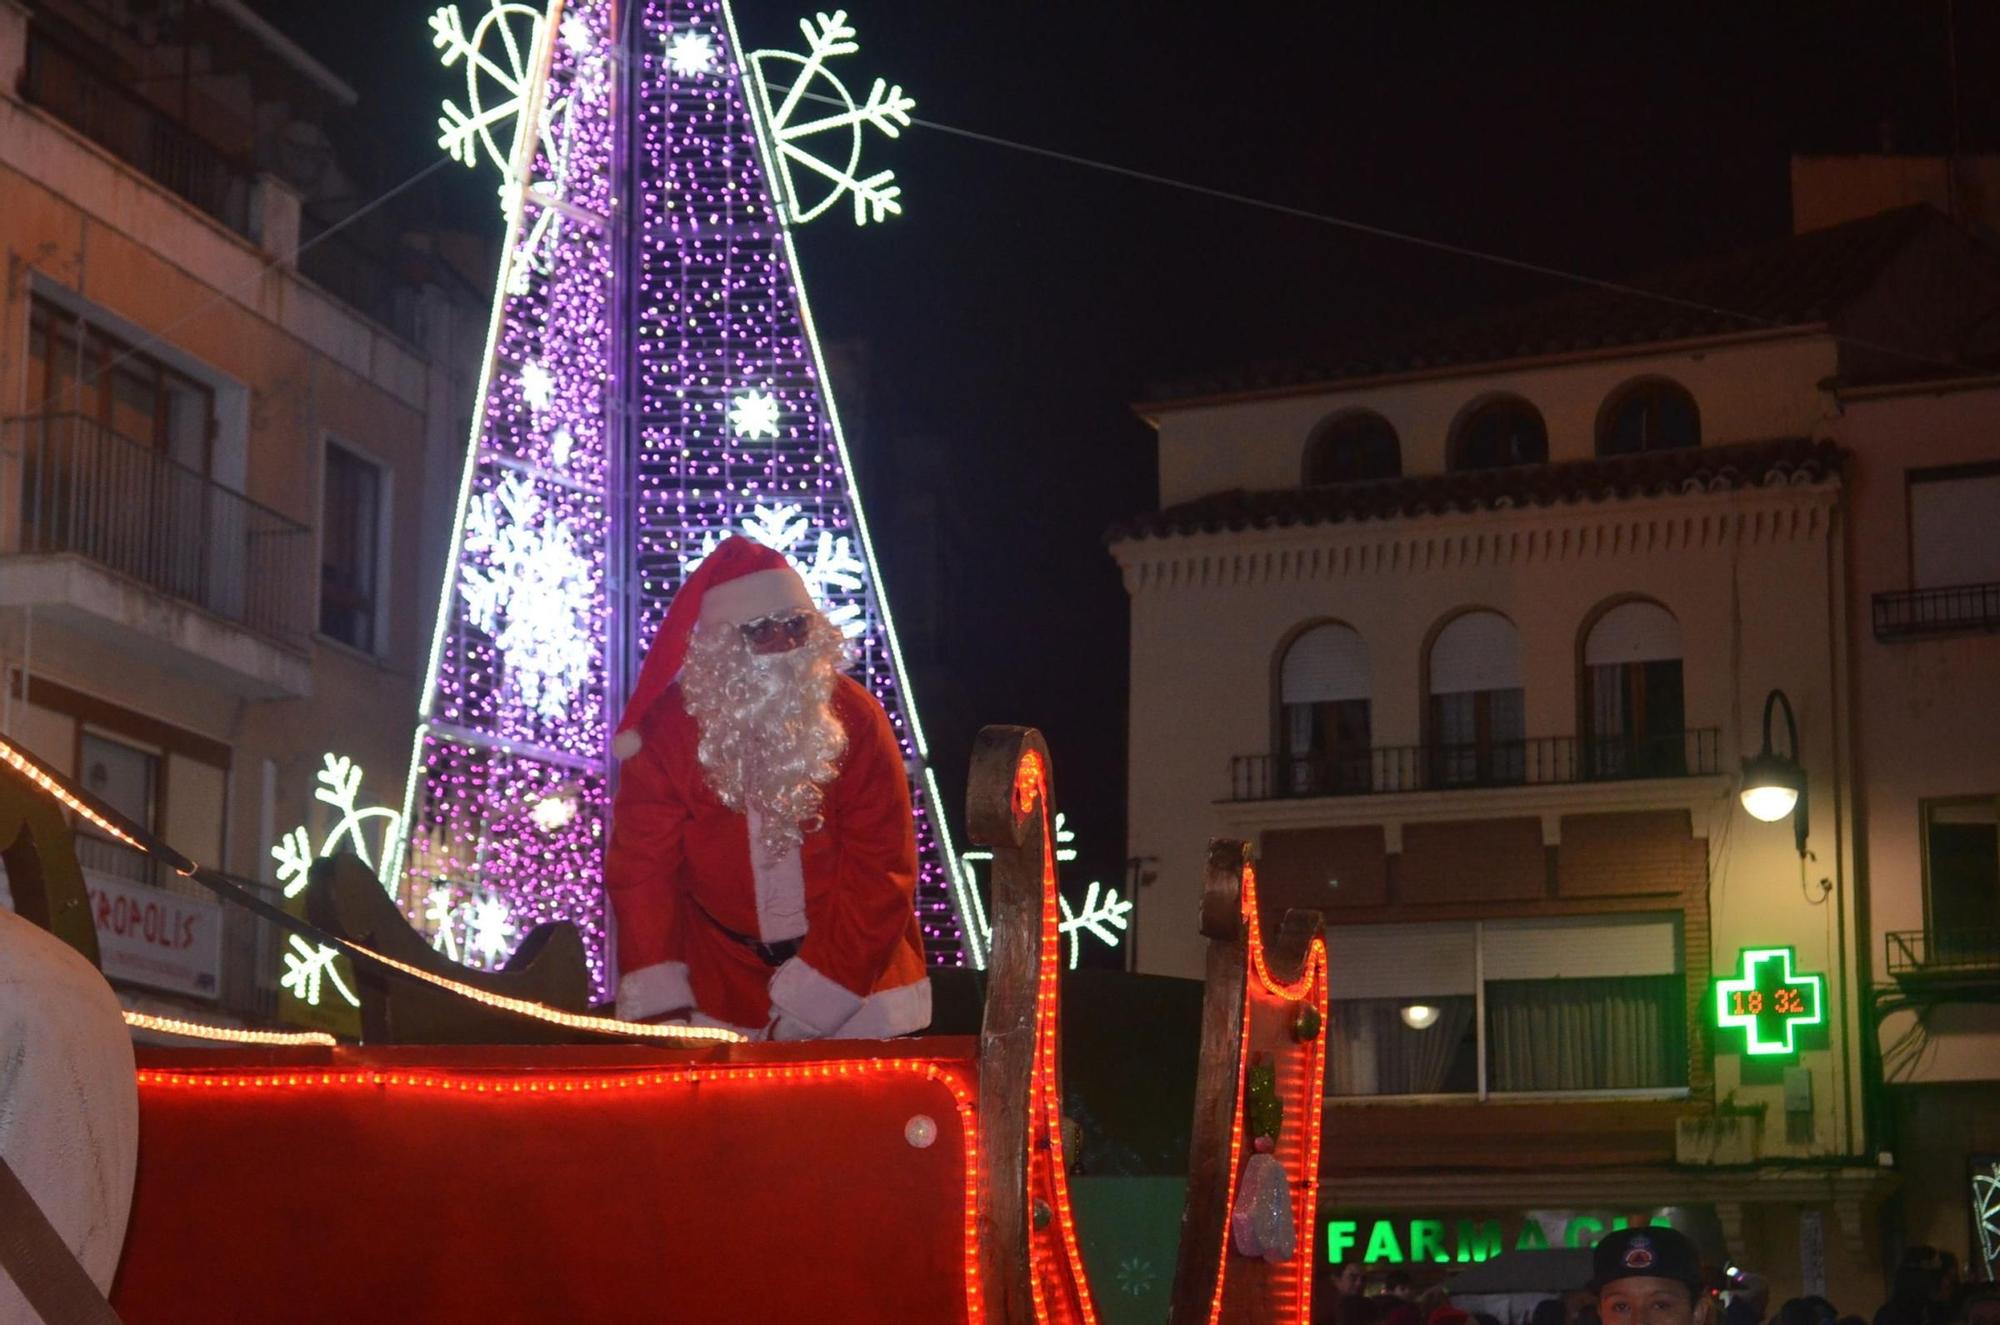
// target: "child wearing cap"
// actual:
[[1649, 1276]]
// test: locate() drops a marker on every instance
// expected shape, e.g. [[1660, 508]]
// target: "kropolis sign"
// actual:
[[1395, 1240]]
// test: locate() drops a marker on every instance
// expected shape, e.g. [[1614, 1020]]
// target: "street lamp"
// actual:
[[1774, 785]]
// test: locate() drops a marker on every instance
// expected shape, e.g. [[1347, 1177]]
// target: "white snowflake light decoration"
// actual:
[[439, 912], [1135, 1276], [1986, 1210], [537, 386], [1103, 915], [502, 58], [492, 929], [553, 812], [529, 588], [795, 79], [691, 53], [307, 965], [827, 563], [339, 786], [1099, 918], [754, 414]]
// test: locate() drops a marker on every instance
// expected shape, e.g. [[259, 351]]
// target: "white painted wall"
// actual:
[[1746, 391]]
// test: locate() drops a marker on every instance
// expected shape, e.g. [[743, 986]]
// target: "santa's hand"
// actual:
[[786, 1027]]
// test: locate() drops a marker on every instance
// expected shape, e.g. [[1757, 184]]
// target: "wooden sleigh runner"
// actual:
[[424, 1176]]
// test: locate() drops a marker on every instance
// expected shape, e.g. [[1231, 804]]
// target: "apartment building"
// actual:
[[1471, 631], [225, 469]]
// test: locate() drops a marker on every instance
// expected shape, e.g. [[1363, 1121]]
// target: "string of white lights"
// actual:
[[31, 769], [201, 1030]]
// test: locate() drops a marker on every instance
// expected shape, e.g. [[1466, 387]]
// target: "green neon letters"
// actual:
[[1396, 1241]]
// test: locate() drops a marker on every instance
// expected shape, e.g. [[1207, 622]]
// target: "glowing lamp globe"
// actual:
[[1771, 786], [1420, 1016]]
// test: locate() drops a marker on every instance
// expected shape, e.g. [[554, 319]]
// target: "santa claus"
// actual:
[[763, 857]]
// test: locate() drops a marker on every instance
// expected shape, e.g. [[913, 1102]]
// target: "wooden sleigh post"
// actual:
[[1263, 1010], [1030, 1265]]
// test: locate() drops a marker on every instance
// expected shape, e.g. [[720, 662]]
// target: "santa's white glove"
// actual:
[[787, 1027]]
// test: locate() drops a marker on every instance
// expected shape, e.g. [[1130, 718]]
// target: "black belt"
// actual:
[[773, 954]]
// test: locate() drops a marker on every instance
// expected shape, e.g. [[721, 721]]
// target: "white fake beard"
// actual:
[[769, 738]]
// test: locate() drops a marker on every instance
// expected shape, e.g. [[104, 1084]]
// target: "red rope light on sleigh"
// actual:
[[1048, 1168], [1311, 984]]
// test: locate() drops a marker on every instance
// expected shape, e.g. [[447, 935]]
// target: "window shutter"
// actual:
[[1951, 531], [1326, 664], [1399, 961], [1477, 651], [1583, 946], [1633, 633]]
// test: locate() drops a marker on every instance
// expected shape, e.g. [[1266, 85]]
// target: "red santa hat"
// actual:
[[740, 581]]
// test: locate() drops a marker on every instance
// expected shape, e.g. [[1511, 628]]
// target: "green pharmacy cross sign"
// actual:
[[1769, 1002]]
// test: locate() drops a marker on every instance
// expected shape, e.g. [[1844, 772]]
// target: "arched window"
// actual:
[[1635, 722], [1652, 415], [1323, 713], [1504, 431], [1353, 447], [1478, 731]]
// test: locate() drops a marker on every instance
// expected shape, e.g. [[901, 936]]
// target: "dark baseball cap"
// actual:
[[1649, 1252]]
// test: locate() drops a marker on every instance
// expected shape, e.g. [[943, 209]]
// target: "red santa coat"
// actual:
[[680, 871]]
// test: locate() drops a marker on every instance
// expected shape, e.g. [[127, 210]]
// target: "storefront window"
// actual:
[[1575, 1004]]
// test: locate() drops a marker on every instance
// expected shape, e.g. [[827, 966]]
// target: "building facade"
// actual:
[[224, 488], [1469, 634]]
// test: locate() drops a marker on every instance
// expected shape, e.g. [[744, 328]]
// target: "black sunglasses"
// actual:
[[766, 631]]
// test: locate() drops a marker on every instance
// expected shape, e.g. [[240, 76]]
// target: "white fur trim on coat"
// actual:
[[888, 1012], [651, 990], [759, 594], [780, 885], [800, 992]]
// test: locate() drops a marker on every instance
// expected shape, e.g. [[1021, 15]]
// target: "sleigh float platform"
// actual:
[[922, 1179]]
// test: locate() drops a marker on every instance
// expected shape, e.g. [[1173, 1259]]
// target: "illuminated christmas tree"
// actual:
[[653, 383]]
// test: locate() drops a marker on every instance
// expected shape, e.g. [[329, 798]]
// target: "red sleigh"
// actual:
[[920, 1180]]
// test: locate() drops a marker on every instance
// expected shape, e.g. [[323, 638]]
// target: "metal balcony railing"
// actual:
[[138, 132], [1542, 760], [86, 490], [1915, 612], [1953, 952]]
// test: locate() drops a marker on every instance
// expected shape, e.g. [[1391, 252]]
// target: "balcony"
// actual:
[[1914, 613], [1964, 958], [67, 86], [104, 529], [1540, 761]]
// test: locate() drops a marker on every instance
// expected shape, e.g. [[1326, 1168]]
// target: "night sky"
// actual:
[[1007, 321]]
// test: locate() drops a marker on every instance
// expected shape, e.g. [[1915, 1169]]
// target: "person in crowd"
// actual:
[[1749, 1301], [1649, 1276], [1338, 1297], [1398, 1300], [1911, 1292], [1549, 1311], [1813, 1310], [1449, 1315], [1981, 1305]]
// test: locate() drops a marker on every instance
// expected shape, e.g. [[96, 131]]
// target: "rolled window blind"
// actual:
[[1579, 947], [1632, 633], [1325, 665], [1477, 651]]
